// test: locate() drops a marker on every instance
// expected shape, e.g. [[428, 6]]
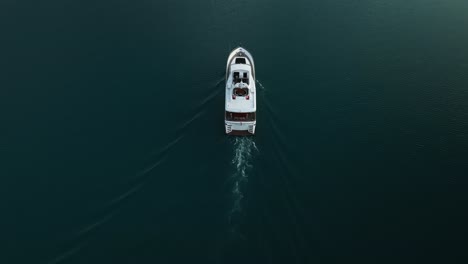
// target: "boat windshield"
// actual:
[[232, 116]]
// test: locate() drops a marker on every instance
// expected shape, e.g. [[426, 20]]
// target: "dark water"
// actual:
[[112, 144]]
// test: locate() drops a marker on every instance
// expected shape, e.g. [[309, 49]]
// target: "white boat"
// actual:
[[241, 98]]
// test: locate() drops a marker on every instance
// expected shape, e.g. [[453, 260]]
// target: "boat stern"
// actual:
[[240, 128]]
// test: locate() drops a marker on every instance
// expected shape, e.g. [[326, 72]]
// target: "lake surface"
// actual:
[[113, 148]]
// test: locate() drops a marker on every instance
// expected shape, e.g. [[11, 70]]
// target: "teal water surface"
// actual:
[[113, 147]]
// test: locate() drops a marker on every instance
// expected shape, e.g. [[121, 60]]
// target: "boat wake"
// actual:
[[260, 85], [244, 149]]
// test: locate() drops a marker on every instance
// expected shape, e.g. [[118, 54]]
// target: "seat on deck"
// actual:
[[241, 91]]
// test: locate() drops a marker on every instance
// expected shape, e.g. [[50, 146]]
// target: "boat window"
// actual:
[[237, 79], [232, 116], [240, 60], [245, 79]]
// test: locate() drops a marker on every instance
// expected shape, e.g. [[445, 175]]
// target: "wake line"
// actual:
[[161, 154], [191, 120], [210, 97], [242, 161], [201, 107], [141, 177], [95, 225], [65, 255], [261, 85]]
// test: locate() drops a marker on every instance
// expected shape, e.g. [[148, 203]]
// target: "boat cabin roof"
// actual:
[[240, 67]]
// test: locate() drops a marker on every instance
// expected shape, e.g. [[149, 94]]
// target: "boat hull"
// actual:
[[248, 106]]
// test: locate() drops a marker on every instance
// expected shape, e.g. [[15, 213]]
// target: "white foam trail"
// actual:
[[242, 162]]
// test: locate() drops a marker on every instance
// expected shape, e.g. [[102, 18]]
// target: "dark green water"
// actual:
[[112, 144]]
